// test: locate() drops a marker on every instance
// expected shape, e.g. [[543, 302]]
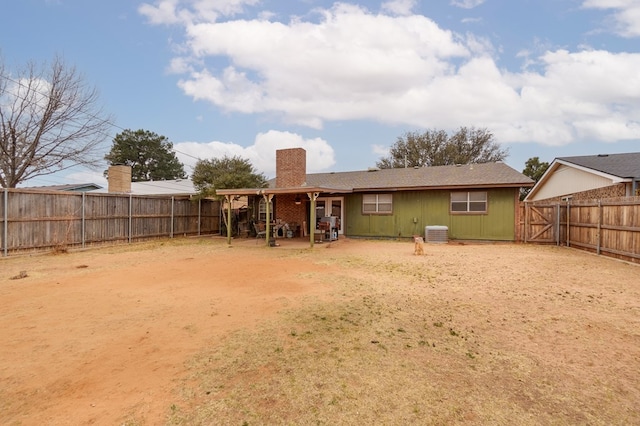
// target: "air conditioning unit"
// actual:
[[436, 234]]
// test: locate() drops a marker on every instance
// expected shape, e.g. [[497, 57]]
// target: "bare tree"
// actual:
[[50, 120]]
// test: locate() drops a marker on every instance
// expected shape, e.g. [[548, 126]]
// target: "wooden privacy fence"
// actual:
[[31, 220], [609, 227]]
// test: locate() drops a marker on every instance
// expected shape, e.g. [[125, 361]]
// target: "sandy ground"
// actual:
[[102, 336]]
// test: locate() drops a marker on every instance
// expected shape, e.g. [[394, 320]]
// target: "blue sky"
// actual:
[[344, 80]]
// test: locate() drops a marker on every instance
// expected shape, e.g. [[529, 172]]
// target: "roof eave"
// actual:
[[276, 191], [445, 187]]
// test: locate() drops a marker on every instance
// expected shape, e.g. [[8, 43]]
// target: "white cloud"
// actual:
[[346, 67], [168, 12], [180, 65], [380, 150], [351, 64], [262, 154], [399, 7], [164, 12], [87, 176], [626, 15], [467, 4]]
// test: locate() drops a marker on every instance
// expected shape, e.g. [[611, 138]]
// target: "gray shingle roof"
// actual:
[[620, 165], [65, 187], [469, 175]]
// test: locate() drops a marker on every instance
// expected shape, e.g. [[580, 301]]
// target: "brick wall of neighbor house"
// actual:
[[613, 191], [291, 167]]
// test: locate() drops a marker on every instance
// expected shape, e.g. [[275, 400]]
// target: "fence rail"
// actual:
[[610, 227], [33, 220]]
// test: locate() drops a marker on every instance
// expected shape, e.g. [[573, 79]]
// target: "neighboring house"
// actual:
[[589, 177], [475, 201], [176, 187], [119, 178], [72, 187]]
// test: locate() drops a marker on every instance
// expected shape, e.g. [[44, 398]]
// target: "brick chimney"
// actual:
[[291, 167], [119, 178]]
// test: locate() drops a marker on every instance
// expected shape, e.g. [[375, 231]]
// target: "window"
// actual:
[[262, 210], [377, 204], [469, 202]]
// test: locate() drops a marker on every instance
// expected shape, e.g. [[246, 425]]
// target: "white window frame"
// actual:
[[377, 203], [262, 211], [469, 202]]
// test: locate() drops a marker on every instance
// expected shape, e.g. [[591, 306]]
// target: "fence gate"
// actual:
[[542, 223]]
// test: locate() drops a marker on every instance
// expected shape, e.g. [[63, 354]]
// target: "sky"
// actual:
[[344, 80]]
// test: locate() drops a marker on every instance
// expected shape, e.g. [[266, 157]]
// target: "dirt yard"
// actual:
[[191, 331]]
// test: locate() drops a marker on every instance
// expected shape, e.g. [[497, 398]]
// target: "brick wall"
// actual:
[[291, 172], [291, 167], [288, 211], [613, 191]]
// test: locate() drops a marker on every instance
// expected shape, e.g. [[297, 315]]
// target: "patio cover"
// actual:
[[313, 192]]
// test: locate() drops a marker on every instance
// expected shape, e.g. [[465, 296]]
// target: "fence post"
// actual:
[[199, 215], [526, 222], [172, 203], [599, 225], [83, 217], [5, 231], [568, 223], [130, 216]]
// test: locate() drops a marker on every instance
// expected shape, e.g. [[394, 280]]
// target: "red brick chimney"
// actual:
[[291, 167]]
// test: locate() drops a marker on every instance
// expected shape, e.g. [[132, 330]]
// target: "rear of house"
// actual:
[[474, 201], [478, 214]]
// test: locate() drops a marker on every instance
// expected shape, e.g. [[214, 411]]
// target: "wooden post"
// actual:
[[313, 196], [557, 227], [599, 226], [228, 198], [83, 230], [199, 215], [267, 201], [130, 217], [526, 221], [5, 225], [173, 201], [568, 221]]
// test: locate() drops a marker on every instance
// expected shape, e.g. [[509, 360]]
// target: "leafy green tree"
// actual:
[[437, 148], [534, 169], [50, 120], [225, 173], [150, 156]]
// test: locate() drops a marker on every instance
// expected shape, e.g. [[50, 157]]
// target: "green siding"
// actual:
[[432, 208]]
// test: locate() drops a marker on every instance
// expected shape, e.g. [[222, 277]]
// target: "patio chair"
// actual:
[[259, 233]]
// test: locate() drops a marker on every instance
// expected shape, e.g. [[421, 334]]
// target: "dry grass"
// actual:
[[468, 334]]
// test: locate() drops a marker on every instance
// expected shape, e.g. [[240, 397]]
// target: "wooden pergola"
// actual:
[[268, 193]]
